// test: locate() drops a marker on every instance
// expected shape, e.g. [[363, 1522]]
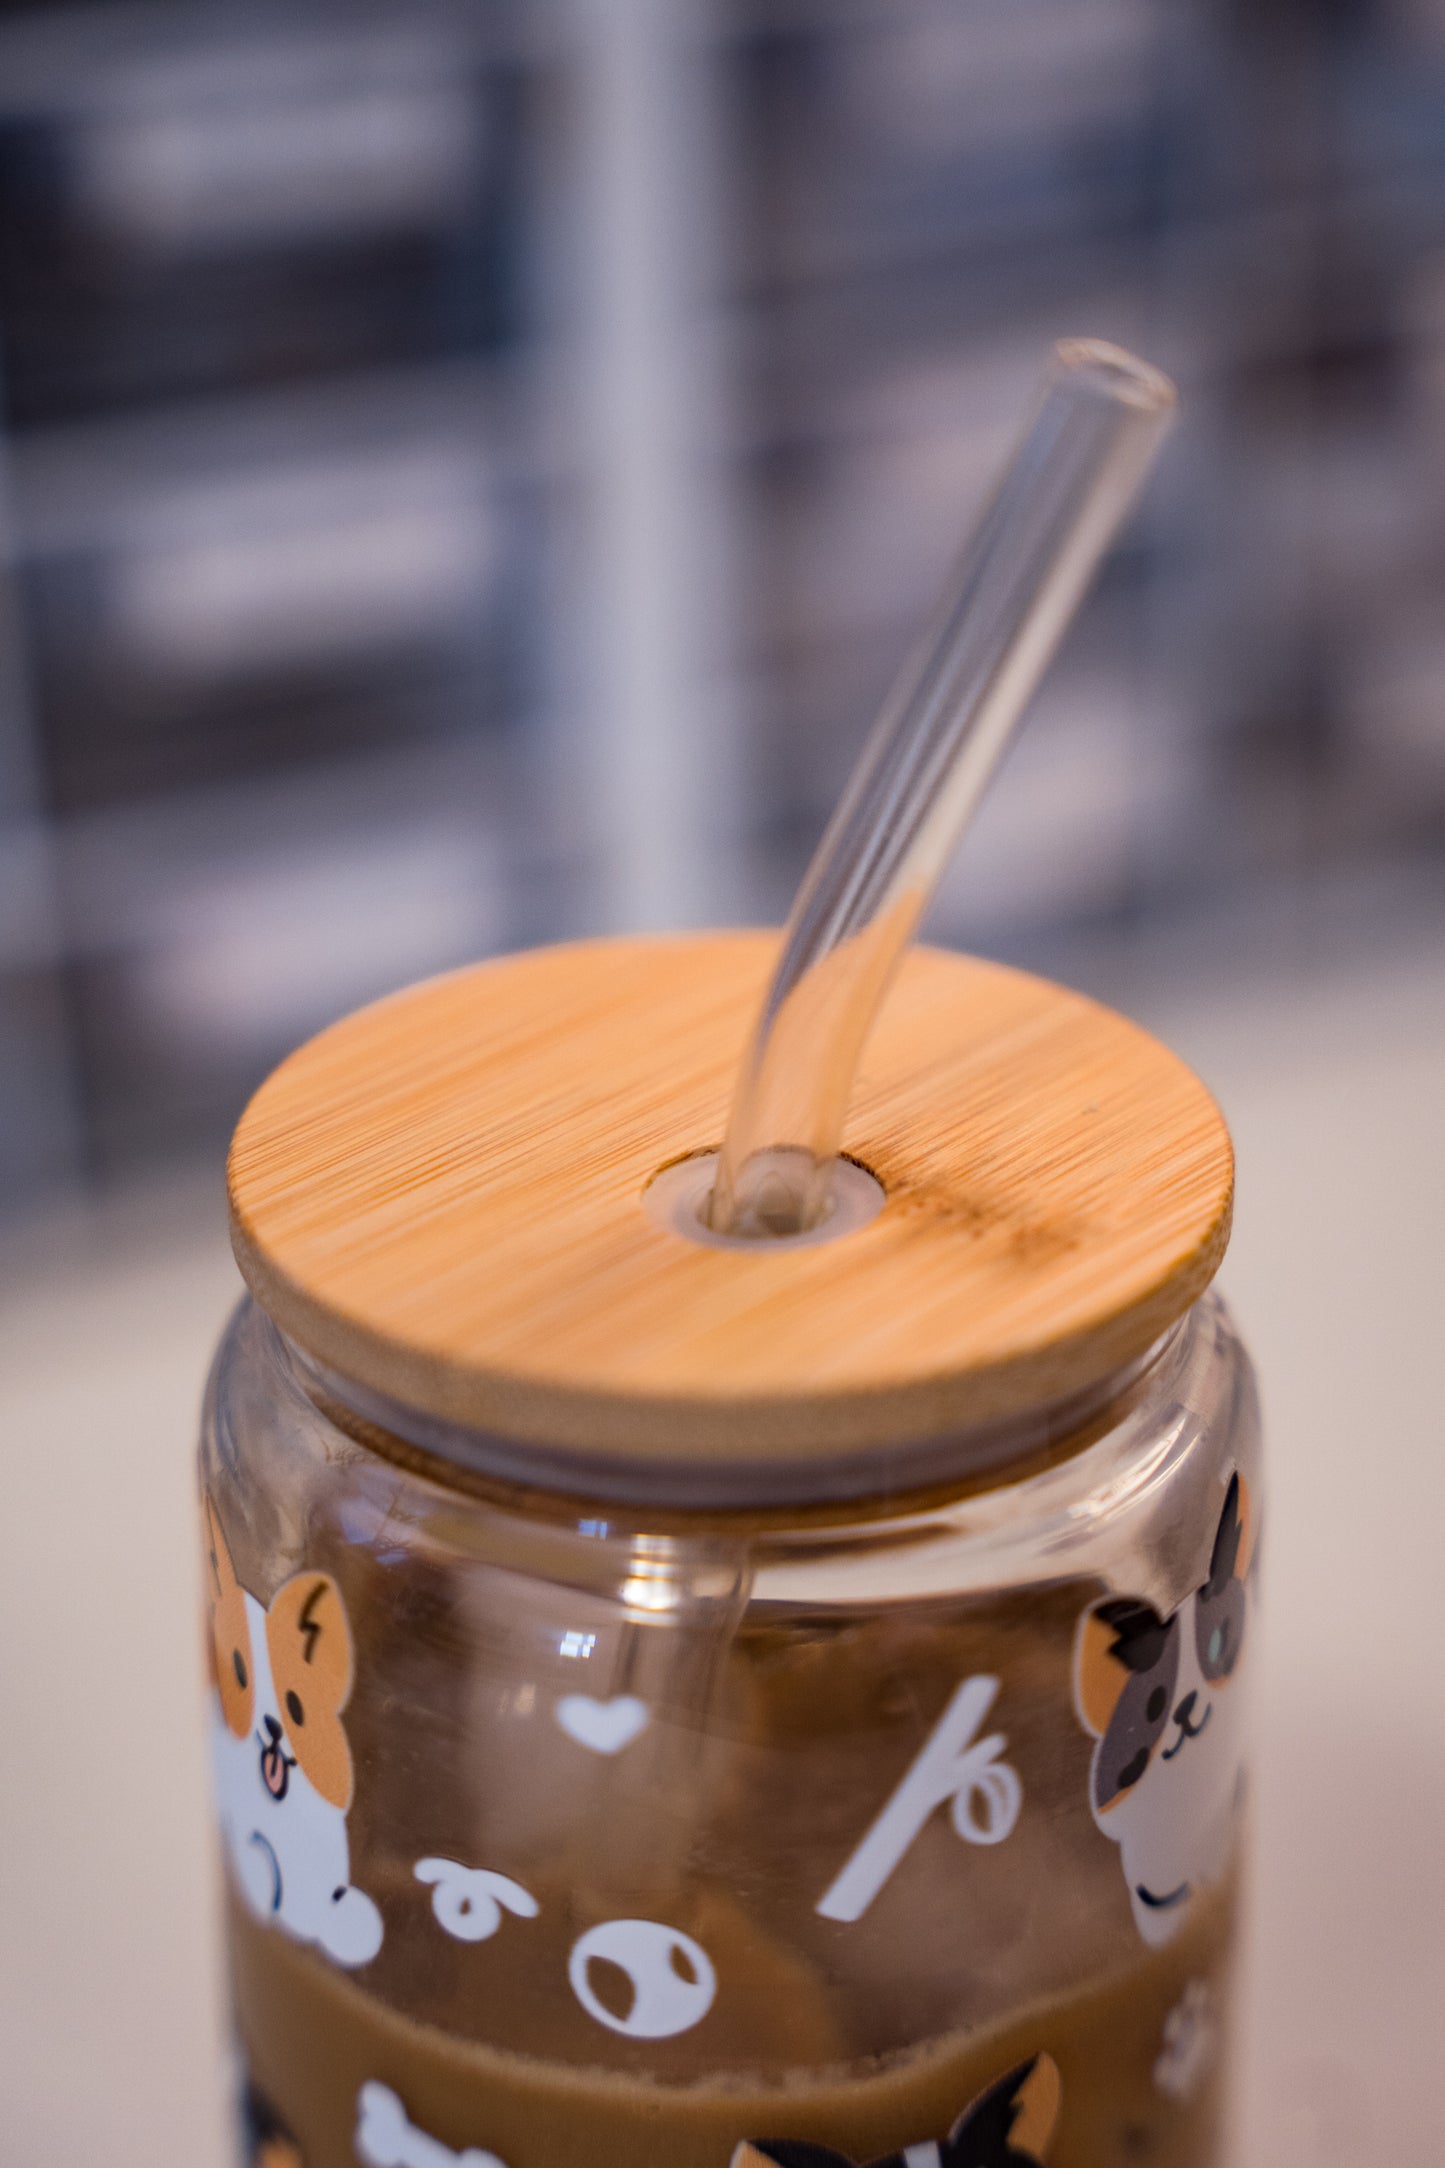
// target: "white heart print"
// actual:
[[605, 1727]]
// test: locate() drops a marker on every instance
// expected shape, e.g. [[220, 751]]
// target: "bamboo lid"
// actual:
[[441, 1199]]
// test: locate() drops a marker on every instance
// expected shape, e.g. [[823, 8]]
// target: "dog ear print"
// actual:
[[1038, 2099], [1012, 2123], [787, 2153], [266, 2142], [1100, 1675], [230, 1632], [1234, 1539], [1221, 1610], [308, 1639], [1248, 1519], [278, 2153], [220, 1573]]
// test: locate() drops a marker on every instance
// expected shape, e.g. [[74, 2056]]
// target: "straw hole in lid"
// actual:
[[677, 1196]]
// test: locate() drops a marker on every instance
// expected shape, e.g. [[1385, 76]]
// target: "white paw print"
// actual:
[[1189, 2038]]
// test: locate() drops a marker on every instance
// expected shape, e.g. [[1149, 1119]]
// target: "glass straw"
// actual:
[[932, 751]]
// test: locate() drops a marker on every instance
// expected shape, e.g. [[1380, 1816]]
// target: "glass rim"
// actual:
[[863, 1484]]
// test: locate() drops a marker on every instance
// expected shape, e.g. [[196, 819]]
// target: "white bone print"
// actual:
[[386, 2138], [1190, 2038], [953, 1765]]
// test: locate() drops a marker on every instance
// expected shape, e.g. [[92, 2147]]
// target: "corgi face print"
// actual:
[[308, 1643], [1009, 2126], [282, 1763], [1161, 1697]]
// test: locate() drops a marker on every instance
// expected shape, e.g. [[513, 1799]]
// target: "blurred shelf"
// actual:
[[472, 468], [67, 55], [206, 932], [196, 202], [246, 585]]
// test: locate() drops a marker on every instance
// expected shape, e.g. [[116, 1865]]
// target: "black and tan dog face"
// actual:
[[1009, 2126], [1156, 1693]]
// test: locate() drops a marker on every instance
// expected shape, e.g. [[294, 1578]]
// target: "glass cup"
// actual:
[[900, 1822]]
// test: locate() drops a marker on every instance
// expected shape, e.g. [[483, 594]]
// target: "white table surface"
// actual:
[[109, 1982]]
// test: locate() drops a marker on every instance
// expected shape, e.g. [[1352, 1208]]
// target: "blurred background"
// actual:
[[468, 472]]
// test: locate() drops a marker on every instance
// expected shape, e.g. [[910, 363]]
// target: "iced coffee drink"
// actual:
[[628, 1758]]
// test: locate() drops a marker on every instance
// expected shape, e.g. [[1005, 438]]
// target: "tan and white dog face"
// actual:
[[1162, 1697], [282, 1762]]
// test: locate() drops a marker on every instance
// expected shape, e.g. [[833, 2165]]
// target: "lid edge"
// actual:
[[820, 1424]]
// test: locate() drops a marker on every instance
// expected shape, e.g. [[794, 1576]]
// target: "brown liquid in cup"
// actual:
[[314, 2037], [868, 2037]]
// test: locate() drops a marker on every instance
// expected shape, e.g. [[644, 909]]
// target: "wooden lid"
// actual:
[[441, 1198]]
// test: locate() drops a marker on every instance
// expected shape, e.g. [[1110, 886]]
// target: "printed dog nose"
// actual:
[[276, 1763], [1183, 1714]]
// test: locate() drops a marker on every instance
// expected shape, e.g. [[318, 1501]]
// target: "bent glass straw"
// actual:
[[922, 772]]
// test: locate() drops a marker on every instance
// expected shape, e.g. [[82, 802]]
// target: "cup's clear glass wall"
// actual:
[[468, 479], [725, 1841]]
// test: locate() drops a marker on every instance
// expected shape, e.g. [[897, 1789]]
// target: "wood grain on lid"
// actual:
[[440, 1197]]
